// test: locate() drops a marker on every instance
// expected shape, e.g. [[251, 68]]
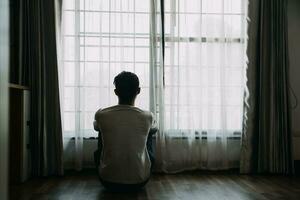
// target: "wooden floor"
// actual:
[[188, 186]]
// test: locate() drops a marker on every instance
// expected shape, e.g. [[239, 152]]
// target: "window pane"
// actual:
[[142, 54], [69, 22], [88, 123], [121, 5], [234, 6], [69, 99], [91, 74], [69, 48], [69, 73], [212, 54], [212, 26], [91, 22], [69, 4], [69, 121], [233, 25], [142, 23], [93, 5], [234, 55], [190, 6], [189, 25], [142, 6], [212, 6]]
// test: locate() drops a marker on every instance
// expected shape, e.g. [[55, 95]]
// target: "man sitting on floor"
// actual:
[[124, 157]]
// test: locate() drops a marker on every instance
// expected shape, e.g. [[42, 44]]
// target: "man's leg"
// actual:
[[97, 153], [150, 147], [118, 187]]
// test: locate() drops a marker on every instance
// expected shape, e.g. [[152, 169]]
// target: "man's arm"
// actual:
[[95, 123], [96, 126], [97, 153], [153, 128]]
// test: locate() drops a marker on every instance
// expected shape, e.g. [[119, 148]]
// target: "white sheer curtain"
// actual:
[[197, 94], [100, 38], [202, 84]]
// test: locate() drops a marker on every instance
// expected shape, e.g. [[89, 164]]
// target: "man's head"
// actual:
[[127, 87]]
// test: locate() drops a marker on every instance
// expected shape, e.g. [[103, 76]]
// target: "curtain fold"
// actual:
[[39, 57], [267, 145], [156, 83], [249, 144]]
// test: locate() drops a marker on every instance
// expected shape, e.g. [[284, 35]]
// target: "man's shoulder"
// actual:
[[112, 109], [142, 111], [102, 111], [148, 113]]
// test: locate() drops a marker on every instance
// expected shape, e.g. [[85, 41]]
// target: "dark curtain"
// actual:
[[39, 60], [15, 69], [267, 144]]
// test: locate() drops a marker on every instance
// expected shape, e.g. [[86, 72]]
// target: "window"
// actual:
[[204, 64], [100, 39], [204, 60]]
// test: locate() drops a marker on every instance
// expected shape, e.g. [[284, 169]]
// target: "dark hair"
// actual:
[[127, 85]]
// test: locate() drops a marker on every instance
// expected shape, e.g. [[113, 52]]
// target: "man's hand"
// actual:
[[96, 128], [153, 131]]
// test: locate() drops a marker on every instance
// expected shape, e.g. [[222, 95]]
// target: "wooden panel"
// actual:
[[15, 134], [26, 157]]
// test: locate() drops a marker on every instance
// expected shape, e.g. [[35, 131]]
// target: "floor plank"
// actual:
[[188, 186]]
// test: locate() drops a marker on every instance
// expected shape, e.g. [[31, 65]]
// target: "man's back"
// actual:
[[124, 130]]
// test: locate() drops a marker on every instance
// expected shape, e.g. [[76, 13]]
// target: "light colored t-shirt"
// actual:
[[124, 130]]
